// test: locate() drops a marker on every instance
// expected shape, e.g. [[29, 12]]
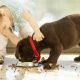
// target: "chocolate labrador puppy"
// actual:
[[59, 35]]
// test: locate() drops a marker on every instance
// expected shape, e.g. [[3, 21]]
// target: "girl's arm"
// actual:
[[11, 36], [6, 31], [38, 36]]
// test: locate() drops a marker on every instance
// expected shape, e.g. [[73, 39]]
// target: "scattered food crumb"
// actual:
[[72, 66]]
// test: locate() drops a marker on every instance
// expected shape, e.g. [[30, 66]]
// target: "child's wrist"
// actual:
[[37, 30]]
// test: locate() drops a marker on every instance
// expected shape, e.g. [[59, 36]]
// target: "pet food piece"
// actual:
[[75, 69], [1, 78], [72, 66], [18, 70], [6, 69], [1, 69], [61, 66], [13, 65]]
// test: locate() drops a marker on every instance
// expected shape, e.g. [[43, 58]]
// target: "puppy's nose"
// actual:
[[18, 56], [19, 59]]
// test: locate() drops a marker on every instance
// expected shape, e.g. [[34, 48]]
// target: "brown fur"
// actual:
[[59, 35]]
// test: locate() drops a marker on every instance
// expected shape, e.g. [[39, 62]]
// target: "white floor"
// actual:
[[68, 70]]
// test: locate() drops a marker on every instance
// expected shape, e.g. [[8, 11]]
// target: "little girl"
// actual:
[[14, 12], [3, 39]]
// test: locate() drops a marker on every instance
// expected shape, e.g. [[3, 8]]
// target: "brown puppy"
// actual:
[[59, 35]]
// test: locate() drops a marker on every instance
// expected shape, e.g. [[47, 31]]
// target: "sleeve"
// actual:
[[25, 31]]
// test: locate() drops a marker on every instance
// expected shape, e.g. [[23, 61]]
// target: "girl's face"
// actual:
[[6, 16]]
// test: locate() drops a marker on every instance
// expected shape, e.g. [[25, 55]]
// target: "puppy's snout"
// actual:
[[18, 56]]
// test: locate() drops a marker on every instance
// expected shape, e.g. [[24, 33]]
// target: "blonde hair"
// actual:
[[7, 10], [8, 13]]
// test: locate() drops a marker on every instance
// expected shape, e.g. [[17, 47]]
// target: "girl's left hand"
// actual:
[[5, 24], [38, 36]]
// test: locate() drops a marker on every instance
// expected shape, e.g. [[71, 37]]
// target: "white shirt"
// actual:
[[3, 44]]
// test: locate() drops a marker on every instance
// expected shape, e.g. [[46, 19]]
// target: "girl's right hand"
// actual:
[[38, 36]]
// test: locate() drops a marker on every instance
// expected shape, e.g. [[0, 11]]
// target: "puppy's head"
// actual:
[[24, 52]]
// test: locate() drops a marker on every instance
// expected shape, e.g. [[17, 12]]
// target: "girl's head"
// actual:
[[5, 11]]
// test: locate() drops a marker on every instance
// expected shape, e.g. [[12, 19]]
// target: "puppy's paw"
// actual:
[[47, 66], [44, 62], [50, 66]]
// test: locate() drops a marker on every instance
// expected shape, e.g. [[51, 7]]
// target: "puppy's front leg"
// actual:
[[52, 60]]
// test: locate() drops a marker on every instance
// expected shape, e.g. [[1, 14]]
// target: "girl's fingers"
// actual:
[[38, 36]]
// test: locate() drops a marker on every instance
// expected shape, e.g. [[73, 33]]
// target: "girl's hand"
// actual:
[[38, 36], [6, 24]]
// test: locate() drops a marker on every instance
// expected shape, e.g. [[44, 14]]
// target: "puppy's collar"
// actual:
[[34, 49]]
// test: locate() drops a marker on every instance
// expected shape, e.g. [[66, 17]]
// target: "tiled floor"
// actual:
[[68, 70]]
